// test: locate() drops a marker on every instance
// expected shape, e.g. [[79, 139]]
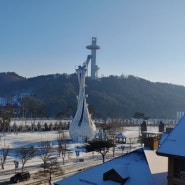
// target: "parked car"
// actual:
[[21, 176]]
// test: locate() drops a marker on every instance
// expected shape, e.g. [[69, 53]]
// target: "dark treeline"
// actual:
[[113, 96]]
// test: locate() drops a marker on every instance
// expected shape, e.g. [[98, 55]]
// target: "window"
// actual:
[[179, 168]]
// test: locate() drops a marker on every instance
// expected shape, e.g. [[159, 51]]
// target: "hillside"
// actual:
[[114, 96]]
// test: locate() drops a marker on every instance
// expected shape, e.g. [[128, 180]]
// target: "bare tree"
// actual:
[[5, 152], [15, 128], [50, 163], [25, 154], [62, 147], [45, 152], [52, 169], [6, 112], [32, 106], [112, 127]]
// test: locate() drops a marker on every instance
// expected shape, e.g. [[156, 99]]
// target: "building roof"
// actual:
[[131, 168], [121, 136], [174, 144]]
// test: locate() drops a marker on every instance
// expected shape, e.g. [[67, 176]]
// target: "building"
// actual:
[[129, 169], [140, 167], [173, 147]]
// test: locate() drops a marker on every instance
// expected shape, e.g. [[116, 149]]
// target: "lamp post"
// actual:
[[122, 148], [113, 149], [77, 154], [16, 165]]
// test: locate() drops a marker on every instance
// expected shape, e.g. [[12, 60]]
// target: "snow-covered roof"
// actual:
[[174, 144], [163, 137], [121, 136], [132, 165]]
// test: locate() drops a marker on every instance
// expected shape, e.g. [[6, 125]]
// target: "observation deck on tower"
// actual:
[[94, 68]]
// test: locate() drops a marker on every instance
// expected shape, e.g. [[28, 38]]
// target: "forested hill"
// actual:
[[113, 96]]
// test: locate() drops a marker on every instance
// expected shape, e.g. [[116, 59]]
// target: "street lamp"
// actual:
[[16, 164], [77, 153], [122, 148]]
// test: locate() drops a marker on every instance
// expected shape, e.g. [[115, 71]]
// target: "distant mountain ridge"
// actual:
[[113, 96]]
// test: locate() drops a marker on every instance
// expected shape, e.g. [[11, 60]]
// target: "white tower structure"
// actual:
[[82, 127], [94, 68]]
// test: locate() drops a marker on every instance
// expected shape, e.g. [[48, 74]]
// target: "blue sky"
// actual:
[[144, 38]]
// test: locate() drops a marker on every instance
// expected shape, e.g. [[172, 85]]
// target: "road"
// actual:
[[69, 168]]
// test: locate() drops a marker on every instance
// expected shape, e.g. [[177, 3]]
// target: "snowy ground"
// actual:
[[14, 141]]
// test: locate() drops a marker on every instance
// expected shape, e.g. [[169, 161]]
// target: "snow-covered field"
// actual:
[[23, 139], [14, 141]]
